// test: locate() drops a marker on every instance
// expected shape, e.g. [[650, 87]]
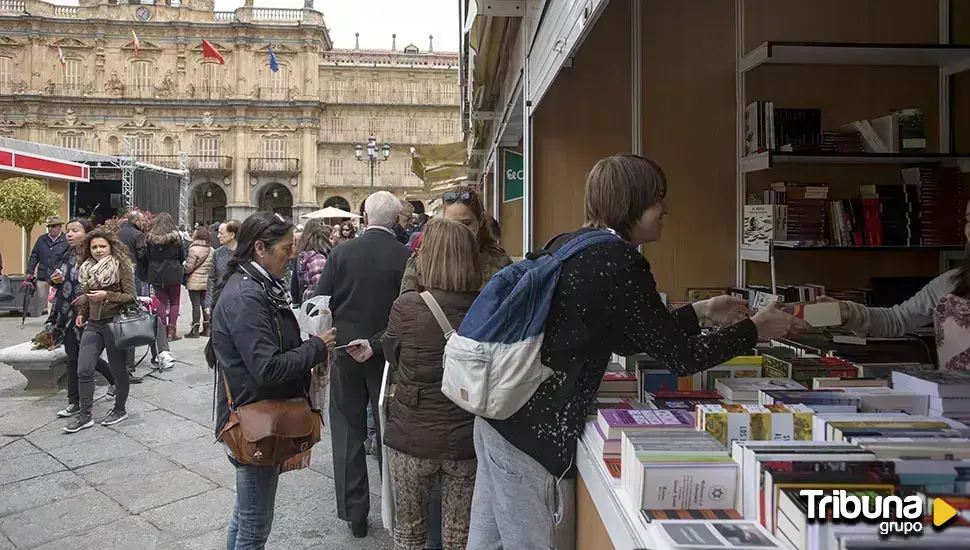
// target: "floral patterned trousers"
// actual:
[[412, 480]]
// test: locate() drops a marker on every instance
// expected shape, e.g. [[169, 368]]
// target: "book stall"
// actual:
[[720, 459]]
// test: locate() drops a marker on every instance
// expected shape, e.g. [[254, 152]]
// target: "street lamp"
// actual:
[[372, 158]]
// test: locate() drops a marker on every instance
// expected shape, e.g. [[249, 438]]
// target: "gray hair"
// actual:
[[382, 208]]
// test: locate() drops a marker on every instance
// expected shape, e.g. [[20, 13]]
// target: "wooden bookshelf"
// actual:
[[808, 56]]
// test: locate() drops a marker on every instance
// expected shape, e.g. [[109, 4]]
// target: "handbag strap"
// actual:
[[438, 314]]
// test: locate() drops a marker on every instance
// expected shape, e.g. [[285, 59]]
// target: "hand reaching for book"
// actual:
[[772, 322], [726, 310]]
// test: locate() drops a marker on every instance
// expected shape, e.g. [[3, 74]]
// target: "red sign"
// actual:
[[37, 165]]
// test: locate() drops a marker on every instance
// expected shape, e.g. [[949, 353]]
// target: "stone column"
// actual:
[[311, 70], [35, 63], [241, 60], [239, 195], [307, 193]]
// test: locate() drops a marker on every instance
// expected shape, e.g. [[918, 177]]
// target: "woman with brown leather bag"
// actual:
[[263, 369]]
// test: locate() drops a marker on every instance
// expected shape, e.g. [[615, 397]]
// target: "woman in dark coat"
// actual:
[[427, 434], [164, 252], [259, 350]]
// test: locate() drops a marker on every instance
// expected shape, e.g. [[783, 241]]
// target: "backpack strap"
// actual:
[[438, 314], [584, 240]]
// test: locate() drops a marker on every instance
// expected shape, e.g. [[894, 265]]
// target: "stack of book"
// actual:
[[729, 423], [618, 383], [804, 369], [700, 534], [739, 390], [677, 469], [948, 392], [683, 400], [820, 401], [610, 424]]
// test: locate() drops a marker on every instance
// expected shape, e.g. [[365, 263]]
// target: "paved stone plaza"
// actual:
[[154, 481]]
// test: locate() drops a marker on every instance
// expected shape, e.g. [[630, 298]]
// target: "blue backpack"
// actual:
[[492, 365]]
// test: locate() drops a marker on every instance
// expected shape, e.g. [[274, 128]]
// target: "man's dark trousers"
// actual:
[[352, 385]]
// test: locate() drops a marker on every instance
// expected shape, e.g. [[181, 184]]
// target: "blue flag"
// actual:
[[273, 64]]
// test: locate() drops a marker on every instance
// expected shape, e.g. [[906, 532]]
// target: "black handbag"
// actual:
[[6, 289], [134, 326]]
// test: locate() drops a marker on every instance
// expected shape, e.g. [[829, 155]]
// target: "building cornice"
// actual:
[[165, 103]]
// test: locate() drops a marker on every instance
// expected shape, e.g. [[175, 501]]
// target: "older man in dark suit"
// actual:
[[363, 278]]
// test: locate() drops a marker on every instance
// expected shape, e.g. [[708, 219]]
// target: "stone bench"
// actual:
[[44, 369]]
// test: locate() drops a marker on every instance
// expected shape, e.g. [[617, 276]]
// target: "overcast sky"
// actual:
[[375, 20]]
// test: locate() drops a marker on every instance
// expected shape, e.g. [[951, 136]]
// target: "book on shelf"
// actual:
[[707, 534], [942, 384], [649, 516], [888, 400], [746, 389], [618, 383], [685, 400]]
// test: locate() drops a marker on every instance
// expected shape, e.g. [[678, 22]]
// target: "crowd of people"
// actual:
[[395, 283]]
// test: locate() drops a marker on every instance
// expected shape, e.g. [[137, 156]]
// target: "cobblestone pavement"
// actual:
[[154, 481]]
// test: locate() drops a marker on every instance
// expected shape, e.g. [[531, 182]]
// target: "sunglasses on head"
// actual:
[[278, 218], [454, 196]]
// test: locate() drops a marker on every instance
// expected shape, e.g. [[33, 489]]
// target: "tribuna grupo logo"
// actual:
[[894, 515]]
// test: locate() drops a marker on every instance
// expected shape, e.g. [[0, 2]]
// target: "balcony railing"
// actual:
[[196, 163], [67, 90], [363, 96], [225, 15], [265, 165], [277, 14], [271, 93], [214, 92], [66, 11], [143, 91], [15, 6]]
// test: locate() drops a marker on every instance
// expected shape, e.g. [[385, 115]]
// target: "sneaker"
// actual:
[[114, 417], [69, 410], [80, 422], [111, 390], [166, 359]]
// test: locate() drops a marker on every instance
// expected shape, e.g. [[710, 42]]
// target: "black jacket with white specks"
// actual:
[[606, 302]]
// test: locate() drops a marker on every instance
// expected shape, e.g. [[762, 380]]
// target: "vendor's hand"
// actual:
[[772, 322], [360, 350], [57, 277], [79, 321], [97, 296], [80, 300], [329, 337], [726, 309], [800, 326]]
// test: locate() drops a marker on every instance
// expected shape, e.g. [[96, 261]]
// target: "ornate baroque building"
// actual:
[[256, 139]]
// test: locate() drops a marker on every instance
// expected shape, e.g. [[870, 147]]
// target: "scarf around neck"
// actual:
[[277, 294], [99, 274]]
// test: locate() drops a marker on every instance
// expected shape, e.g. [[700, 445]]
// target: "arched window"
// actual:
[[141, 79]]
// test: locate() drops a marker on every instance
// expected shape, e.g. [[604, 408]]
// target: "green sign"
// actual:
[[512, 176]]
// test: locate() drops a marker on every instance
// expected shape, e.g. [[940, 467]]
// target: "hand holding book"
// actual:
[[722, 310]]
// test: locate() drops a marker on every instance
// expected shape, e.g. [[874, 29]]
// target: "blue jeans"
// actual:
[[252, 518], [371, 429]]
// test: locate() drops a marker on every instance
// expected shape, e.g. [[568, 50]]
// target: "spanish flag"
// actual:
[[136, 43]]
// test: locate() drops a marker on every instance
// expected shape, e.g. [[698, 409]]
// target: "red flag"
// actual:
[[209, 52]]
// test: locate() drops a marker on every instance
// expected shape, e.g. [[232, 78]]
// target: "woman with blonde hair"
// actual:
[[428, 435], [108, 282]]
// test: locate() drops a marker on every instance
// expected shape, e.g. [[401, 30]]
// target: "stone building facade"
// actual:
[[256, 139]]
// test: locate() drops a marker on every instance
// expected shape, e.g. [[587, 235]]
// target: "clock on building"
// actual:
[[143, 14]]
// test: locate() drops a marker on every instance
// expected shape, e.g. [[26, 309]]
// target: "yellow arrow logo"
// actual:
[[942, 512]]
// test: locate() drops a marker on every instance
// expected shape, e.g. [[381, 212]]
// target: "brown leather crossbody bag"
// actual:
[[268, 432]]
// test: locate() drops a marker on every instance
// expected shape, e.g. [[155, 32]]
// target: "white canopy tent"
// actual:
[[329, 212]]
